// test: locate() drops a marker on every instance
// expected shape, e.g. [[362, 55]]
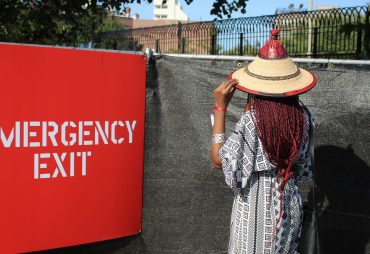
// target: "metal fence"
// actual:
[[333, 33]]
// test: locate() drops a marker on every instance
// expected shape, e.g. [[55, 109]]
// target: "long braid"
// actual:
[[279, 124]]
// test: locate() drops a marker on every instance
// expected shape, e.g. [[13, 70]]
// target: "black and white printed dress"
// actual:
[[256, 186]]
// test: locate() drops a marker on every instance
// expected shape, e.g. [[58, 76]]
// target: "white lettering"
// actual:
[[63, 133], [38, 165], [52, 134], [72, 135], [34, 134], [87, 133], [25, 134], [80, 133], [44, 133], [130, 128], [113, 132], [84, 155], [103, 135], [17, 134], [59, 167], [68, 133], [72, 164], [7, 142]]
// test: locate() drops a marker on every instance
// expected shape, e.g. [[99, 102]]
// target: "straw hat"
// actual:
[[273, 73]]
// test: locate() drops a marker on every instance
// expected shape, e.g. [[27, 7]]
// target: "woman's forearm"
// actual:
[[222, 96], [218, 128]]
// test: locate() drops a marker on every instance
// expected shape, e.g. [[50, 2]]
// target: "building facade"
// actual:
[[171, 10]]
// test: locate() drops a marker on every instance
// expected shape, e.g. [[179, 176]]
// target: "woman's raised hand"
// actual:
[[224, 92]]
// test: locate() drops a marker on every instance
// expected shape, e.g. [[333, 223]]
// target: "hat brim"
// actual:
[[305, 81]]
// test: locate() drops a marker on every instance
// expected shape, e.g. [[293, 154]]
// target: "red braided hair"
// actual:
[[279, 125]]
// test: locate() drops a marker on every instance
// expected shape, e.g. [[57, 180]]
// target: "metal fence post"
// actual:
[[359, 33], [179, 30], [157, 46], [359, 40], [367, 33], [183, 45], [213, 44], [315, 35], [241, 46]]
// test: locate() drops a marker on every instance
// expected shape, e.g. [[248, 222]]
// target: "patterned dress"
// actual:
[[256, 206]]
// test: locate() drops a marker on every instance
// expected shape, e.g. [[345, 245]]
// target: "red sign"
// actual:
[[71, 146]]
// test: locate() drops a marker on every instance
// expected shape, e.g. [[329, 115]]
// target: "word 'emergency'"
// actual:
[[33, 134]]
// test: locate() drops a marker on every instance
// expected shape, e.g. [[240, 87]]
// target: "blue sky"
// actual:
[[199, 9]]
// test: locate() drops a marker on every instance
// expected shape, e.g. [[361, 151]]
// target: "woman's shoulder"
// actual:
[[306, 109], [310, 117]]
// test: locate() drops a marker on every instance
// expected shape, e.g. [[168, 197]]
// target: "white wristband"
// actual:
[[212, 116]]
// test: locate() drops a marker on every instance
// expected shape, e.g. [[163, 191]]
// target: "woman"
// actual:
[[268, 153]]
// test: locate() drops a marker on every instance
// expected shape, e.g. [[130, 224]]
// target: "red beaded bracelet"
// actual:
[[215, 108]]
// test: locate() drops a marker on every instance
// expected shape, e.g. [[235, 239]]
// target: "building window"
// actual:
[[160, 16], [158, 6]]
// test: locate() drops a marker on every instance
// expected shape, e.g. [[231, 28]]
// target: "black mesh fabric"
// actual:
[[200, 204], [187, 206]]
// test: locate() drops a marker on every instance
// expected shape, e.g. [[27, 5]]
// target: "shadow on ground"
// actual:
[[342, 198]]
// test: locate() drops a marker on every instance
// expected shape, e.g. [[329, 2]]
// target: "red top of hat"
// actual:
[[273, 48]]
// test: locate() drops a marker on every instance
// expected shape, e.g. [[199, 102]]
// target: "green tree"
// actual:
[[69, 22], [332, 34], [247, 50], [49, 22]]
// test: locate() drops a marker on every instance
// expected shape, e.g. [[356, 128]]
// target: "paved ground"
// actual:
[[186, 203]]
